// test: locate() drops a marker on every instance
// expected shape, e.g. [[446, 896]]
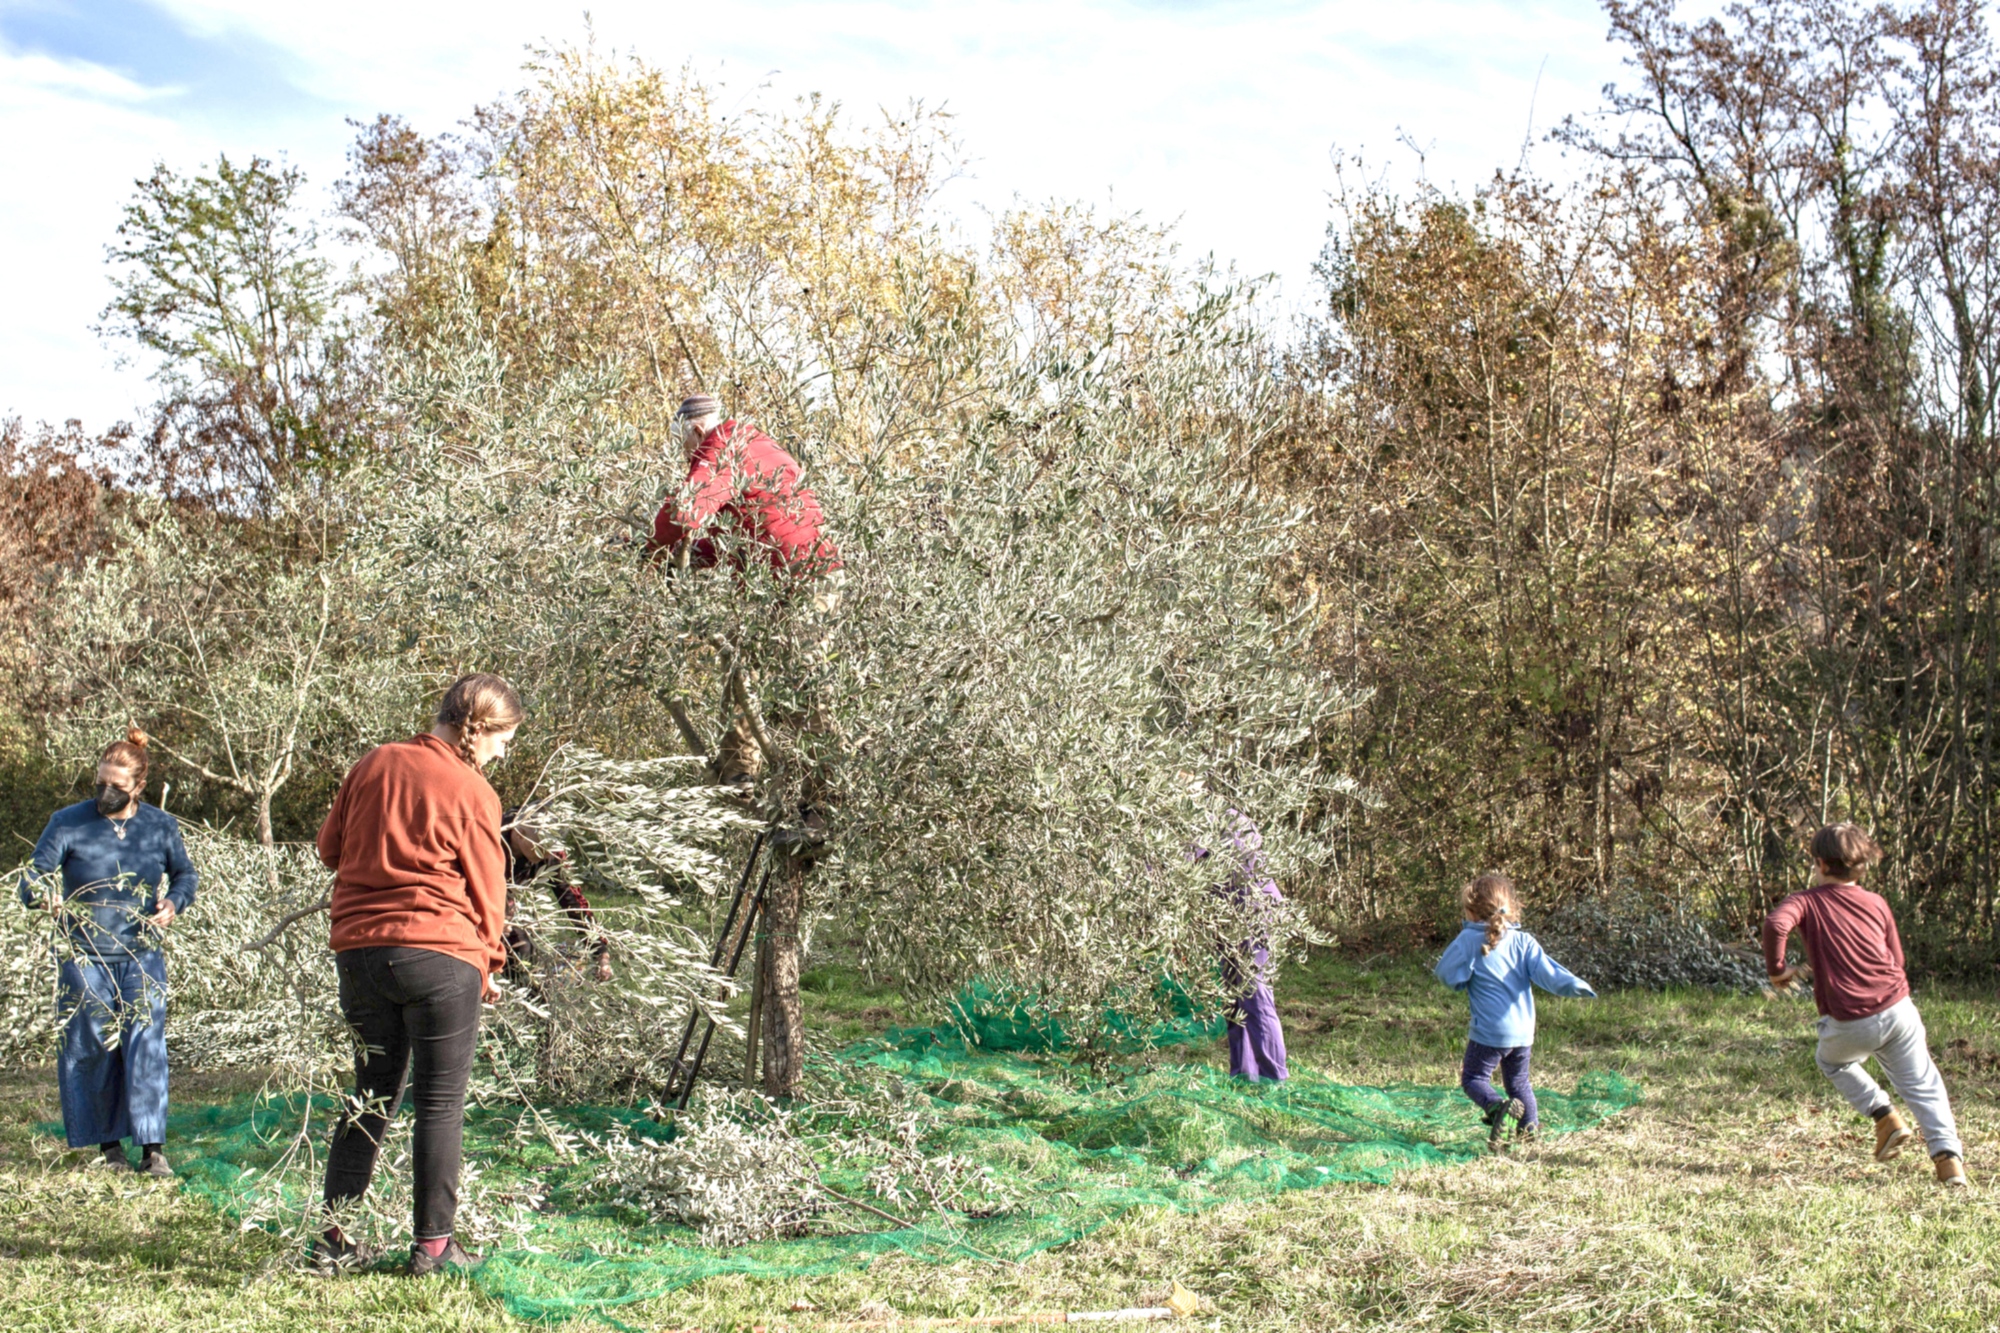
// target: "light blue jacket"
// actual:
[[1502, 982]]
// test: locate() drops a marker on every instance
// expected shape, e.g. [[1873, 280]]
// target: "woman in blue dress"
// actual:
[[115, 873]]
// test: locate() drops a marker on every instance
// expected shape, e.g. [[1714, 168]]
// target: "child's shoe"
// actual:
[[1496, 1119], [1950, 1171], [1890, 1136]]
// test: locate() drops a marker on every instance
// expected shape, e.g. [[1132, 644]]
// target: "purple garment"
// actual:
[[1256, 1039], [1477, 1078]]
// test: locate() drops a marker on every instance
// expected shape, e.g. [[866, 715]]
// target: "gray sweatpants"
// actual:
[[1895, 1037]]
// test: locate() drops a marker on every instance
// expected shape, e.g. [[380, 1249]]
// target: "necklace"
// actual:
[[118, 827]]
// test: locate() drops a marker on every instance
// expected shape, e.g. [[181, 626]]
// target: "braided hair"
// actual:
[[1490, 898], [479, 705]]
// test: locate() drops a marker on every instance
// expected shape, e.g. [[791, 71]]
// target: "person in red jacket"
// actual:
[[1863, 998], [419, 921], [740, 479]]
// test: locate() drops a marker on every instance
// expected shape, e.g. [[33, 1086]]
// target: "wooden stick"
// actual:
[[757, 973], [908, 1225], [1182, 1304], [1132, 1315]]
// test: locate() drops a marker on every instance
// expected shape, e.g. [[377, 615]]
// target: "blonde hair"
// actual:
[[129, 753], [1490, 898], [479, 705]]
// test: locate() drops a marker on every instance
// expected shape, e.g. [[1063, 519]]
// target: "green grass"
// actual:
[[1739, 1196]]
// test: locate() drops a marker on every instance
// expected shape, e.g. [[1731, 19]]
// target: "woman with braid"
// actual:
[[1499, 967], [419, 916]]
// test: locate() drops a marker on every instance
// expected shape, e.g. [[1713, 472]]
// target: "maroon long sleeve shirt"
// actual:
[[1851, 940]]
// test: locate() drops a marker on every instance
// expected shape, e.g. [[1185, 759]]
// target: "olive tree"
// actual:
[[1063, 642]]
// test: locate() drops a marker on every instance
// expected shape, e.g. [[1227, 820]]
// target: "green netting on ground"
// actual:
[[992, 1019], [1075, 1151]]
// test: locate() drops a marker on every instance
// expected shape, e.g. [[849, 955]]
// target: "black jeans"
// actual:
[[406, 1004]]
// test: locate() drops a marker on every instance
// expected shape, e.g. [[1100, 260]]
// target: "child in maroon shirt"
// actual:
[[1864, 999]]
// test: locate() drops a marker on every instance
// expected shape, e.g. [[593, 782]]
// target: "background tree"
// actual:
[[251, 664], [219, 275]]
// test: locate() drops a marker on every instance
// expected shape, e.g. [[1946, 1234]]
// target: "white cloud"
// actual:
[[1220, 115], [72, 140]]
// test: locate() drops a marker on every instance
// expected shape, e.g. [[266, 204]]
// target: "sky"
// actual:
[[1224, 117]]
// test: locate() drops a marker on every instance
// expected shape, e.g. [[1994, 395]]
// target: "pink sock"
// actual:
[[435, 1247]]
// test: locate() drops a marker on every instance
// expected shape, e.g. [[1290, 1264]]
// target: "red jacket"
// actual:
[[1851, 940], [740, 474], [413, 840]]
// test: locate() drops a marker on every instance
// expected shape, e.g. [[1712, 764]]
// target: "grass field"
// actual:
[[1739, 1195]]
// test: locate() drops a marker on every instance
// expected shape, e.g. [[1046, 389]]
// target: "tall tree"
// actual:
[[219, 275]]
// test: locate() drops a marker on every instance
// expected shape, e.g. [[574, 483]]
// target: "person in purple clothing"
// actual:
[[1499, 968], [1256, 1039]]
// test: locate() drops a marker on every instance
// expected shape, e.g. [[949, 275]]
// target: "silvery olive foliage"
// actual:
[[734, 1177], [251, 983], [1634, 943], [1062, 645], [227, 1006], [252, 660], [741, 1168], [636, 822]]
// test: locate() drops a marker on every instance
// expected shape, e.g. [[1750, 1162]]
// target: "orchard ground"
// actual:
[[1738, 1195]]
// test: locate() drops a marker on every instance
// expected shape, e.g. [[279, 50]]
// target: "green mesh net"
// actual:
[[992, 1018], [1074, 1150]]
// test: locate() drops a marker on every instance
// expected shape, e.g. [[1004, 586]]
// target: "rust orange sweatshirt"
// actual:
[[414, 842]]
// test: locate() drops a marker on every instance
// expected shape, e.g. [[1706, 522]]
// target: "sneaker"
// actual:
[[1496, 1118], [155, 1164], [111, 1159], [333, 1254], [1528, 1135], [1890, 1136], [453, 1260], [1950, 1170]]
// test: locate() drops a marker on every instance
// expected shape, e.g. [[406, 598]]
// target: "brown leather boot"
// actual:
[[1890, 1136], [1950, 1171]]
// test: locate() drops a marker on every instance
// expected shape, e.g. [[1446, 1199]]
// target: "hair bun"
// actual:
[[134, 736]]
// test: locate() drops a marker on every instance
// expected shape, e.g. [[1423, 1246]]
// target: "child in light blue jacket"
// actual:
[[1500, 967]]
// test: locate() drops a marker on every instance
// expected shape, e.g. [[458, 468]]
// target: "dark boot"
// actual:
[[453, 1260], [1497, 1116]]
